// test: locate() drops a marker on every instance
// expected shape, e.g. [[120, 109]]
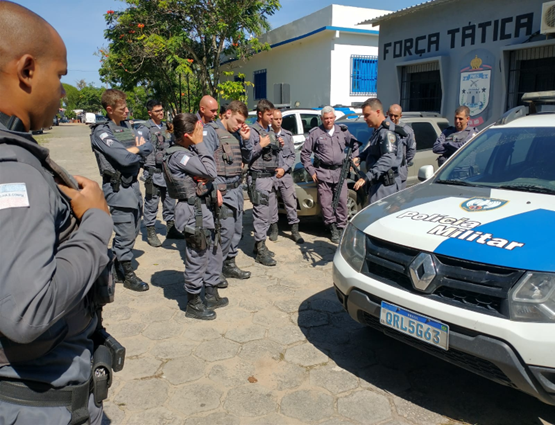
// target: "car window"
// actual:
[[442, 125], [251, 119], [424, 134], [310, 121], [290, 123]]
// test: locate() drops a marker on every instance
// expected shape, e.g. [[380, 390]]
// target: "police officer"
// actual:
[[189, 175], [46, 345], [395, 113], [229, 141], [384, 154], [263, 168], [119, 153], [208, 110], [328, 143], [284, 180], [156, 132], [452, 138]]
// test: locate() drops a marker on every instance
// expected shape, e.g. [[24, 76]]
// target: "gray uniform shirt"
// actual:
[[196, 163], [286, 159], [149, 132], [450, 140], [122, 160], [44, 282], [378, 163], [330, 150]]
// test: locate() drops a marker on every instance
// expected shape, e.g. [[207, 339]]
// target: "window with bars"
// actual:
[[260, 84], [421, 88], [364, 75]]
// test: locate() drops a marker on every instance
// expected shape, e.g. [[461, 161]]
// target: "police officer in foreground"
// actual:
[[229, 141], [263, 169], [452, 138], [119, 153], [189, 175], [157, 133], [328, 143], [49, 264], [395, 113], [384, 154], [284, 181]]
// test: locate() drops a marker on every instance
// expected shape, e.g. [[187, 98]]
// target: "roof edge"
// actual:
[[402, 12]]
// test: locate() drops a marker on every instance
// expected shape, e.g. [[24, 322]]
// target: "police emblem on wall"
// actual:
[[476, 84]]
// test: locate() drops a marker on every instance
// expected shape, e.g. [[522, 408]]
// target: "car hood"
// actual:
[[498, 227]]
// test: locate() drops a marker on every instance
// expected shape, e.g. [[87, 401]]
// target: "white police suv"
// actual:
[[462, 266]]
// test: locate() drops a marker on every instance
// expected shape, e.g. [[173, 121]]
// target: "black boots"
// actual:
[[172, 232], [263, 254], [197, 310], [131, 281], [117, 271], [273, 232], [295, 233], [213, 299], [223, 282], [152, 237], [335, 233], [231, 270]]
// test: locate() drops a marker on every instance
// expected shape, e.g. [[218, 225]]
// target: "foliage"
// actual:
[[89, 99], [235, 89], [175, 47]]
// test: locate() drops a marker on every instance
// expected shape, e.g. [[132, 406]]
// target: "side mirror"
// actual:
[[425, 172]]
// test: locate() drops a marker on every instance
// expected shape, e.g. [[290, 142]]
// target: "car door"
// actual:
[[425, 135]]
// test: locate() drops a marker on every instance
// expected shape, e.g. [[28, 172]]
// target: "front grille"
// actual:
[[474, 364], [475, 286]]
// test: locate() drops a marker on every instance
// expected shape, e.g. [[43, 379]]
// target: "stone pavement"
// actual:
[[282, 352]]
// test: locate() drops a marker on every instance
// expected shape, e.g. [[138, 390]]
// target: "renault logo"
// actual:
[[422, 272]]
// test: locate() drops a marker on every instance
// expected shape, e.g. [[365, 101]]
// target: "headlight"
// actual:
[[533, 298], [353, 247], [300, 175]]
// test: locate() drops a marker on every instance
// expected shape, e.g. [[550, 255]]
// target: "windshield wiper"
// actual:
[[527, 188], [456, 182]]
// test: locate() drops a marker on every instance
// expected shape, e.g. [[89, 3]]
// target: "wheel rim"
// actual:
[[351, 208]]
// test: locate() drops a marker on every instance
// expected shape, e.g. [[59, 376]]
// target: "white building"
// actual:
[[322, 59]]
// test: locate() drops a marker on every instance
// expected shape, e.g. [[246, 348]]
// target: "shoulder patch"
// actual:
[[185, 159], [391, 138], [13, 195], [103, 136]]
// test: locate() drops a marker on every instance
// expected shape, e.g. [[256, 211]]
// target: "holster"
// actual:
[[389, 177], [150, 189], [114, 178], [256, 197], [196, 237]]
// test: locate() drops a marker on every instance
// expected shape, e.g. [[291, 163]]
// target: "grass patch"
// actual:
[[42, 139]]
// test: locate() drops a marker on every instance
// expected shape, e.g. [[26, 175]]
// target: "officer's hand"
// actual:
[[281, 142], [89, 196], [315, 178], [356, 161], [359, 184], [245, 132], [264, 141], [196, 137], [280, 172], [220, 199], [139, 141]]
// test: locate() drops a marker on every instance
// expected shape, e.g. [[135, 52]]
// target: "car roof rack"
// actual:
[[537, 102], [421, 114]]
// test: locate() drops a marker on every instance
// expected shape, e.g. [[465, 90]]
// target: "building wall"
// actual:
[[491, 29]]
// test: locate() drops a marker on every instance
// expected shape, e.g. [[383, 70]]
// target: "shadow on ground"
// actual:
[[171, 282], [386, 364]]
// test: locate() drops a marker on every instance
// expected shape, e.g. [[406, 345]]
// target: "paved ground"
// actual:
[[282, 352]]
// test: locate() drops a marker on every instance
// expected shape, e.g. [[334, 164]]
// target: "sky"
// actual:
[[81, 25]]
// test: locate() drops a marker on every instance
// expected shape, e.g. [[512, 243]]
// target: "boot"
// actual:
[[197, 310], [334, 233], [262, 254], [213, 299], [131, 280], [295, 233], [231, 270], [117, 271], [273, 232], [270, 253], [223, 282], [172, 232], [152, 237]]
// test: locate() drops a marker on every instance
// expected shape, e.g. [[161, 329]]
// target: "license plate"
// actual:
[[415, 325]]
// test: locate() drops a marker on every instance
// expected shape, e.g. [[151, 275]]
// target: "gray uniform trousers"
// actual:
[[325, 198], [263, 215], [286, 188], [151, 207], [379, 190], [232, 225]]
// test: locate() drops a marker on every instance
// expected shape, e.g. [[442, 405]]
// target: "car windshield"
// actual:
[[251, 119], [360, 130], [506, 158]]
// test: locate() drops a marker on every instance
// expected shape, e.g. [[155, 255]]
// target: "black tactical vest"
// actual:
[[228, 156], [180, 188], [268, 159], [124, 135], [159, 137]]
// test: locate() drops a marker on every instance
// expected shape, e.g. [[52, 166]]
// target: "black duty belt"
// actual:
[[153, 170], [37, 394], [329, 167], [261, 174], [233, 185], [191, 201], [108, 179]]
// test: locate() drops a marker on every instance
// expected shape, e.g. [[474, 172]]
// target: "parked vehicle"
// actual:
[[90, 118], [461, 266]]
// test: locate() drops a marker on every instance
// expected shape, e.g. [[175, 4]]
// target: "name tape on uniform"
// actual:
[[13, 195]]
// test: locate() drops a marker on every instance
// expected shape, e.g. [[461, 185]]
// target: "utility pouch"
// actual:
[[228, 153], [389, 178], [126, 181], [149, 186], [116, 350], [317, 162], [115, 181], [101, 374], [222, 187], [195, 238], [259, 198], [159, 157]]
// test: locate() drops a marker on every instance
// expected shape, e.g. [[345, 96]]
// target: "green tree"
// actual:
[[160, 43], [89, 99], [235, 89]]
